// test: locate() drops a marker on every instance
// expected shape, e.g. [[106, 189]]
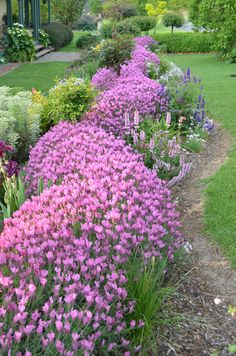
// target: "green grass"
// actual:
[[220, 195], [71, 47], [40, 76]]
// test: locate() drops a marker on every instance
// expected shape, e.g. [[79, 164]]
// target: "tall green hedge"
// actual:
[[186, 42], [59, 34]]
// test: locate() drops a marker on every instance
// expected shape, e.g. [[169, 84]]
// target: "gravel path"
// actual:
[[59, 57]]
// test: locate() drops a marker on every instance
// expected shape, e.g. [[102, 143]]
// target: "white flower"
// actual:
[[188, 247], [217, 301]]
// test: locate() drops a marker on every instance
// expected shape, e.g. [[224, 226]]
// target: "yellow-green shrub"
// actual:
[[68, 100]]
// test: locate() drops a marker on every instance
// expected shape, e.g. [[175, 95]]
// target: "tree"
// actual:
[[218, 16], [95, 6], [173, 20], [114, 8], [156, 8], [67, 11], [177, 5]]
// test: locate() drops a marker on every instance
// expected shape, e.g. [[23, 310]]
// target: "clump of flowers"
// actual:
[[104, 79], [161, 149], [62, 256], [131, 90], [146, 41]]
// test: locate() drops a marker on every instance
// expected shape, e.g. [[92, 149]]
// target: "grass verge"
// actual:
[[220, 195], [34, 75]]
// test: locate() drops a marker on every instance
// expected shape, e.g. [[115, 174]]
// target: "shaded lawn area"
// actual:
[[220, 195], [71, 47], [40, 76]]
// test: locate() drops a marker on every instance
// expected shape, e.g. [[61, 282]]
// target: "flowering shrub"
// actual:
[[114, 52], [132, 90], [104, 79], [63, 255], [146, 41], [20, 44], [44, 38], [20, 121], [159, 145]]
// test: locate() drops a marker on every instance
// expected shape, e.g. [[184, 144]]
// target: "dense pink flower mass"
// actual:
[[63, 254], [146, 41], [131, 91]]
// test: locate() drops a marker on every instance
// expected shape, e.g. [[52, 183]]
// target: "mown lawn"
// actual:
[[36, 75], [220, 195]]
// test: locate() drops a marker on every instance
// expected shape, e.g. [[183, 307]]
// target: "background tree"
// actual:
[[177, 5], [156, 8], [218, 16], [67, 11], [114, 8], [95, 6], [173, 20]]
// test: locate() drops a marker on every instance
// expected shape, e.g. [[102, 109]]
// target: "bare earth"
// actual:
[[206, 327]]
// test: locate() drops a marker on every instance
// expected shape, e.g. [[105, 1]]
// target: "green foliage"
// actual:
[[146, 286], [86, 70], [114, 8], [86, 23], [20, 121], [186, 42], [232, 55], [86, 39], [129, 10], [20, 44], [67, 11], [146, 23], [115, 52], [128, 27], [44, 38], [59, 34], [14, 196], [95, 6], [173, 20], [108, 29], [69, 100], [218, 16], [156, 8], [177, 5]]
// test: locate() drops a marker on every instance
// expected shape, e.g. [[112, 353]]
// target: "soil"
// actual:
[[206, 327]]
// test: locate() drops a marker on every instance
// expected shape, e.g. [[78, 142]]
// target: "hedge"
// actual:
[[185, 42], [59, 34]]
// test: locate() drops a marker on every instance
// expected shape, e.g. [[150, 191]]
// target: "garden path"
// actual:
[[5, 68], [59, 57], [205, 327], [211, 264]]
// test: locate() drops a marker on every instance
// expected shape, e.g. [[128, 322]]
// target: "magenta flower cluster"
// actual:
[[145, 41], [131, 91], [63, 254]]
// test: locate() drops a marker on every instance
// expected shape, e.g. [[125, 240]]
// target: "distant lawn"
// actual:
[[71, 47], [220, 196], [36, 75]]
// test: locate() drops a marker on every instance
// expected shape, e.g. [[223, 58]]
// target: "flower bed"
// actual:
[[62, 280], [66, 255]]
